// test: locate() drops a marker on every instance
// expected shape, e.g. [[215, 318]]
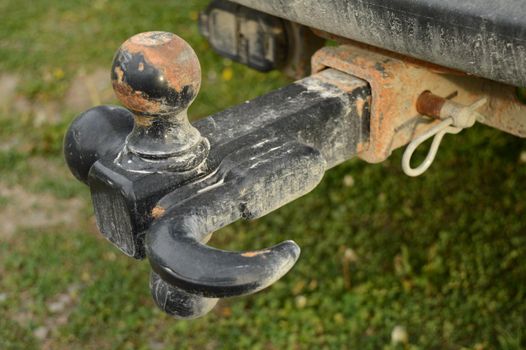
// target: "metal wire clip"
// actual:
[[455, 117]]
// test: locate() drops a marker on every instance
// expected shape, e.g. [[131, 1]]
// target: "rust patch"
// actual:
[[134, 99], [435, 68], [170, 54], [119, 73], [152, 38], [360, 103], [157, 212], [430, 104], [255, 253], [143, 121]]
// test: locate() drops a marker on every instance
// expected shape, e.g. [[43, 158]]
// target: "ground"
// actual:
[[436, 262]]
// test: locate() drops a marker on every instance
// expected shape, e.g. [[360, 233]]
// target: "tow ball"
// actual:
[[161, 186]]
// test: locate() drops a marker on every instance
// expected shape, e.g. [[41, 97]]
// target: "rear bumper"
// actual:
[[486, 38]]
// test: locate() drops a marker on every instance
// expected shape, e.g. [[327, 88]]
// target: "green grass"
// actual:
[[443, 255]]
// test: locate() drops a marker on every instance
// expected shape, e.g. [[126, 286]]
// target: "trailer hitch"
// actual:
[[161, 186]]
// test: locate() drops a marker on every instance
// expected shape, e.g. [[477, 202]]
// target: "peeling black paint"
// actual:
[[140, 75]]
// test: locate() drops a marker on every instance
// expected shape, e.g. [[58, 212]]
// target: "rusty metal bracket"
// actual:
[[396, 83]]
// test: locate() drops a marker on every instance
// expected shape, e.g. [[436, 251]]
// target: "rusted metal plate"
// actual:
[[396, 84]]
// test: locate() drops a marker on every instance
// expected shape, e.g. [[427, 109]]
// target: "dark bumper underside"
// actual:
[[486, 38]]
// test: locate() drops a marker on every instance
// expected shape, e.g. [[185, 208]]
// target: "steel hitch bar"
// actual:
[[161, 186]]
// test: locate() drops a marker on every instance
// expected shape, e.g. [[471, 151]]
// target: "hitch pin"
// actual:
[[454, 116]]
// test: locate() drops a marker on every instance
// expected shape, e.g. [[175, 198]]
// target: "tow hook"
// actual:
[[161, 186]]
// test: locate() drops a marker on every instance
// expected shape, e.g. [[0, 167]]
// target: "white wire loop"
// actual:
[[458, 117], [438, 131]]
